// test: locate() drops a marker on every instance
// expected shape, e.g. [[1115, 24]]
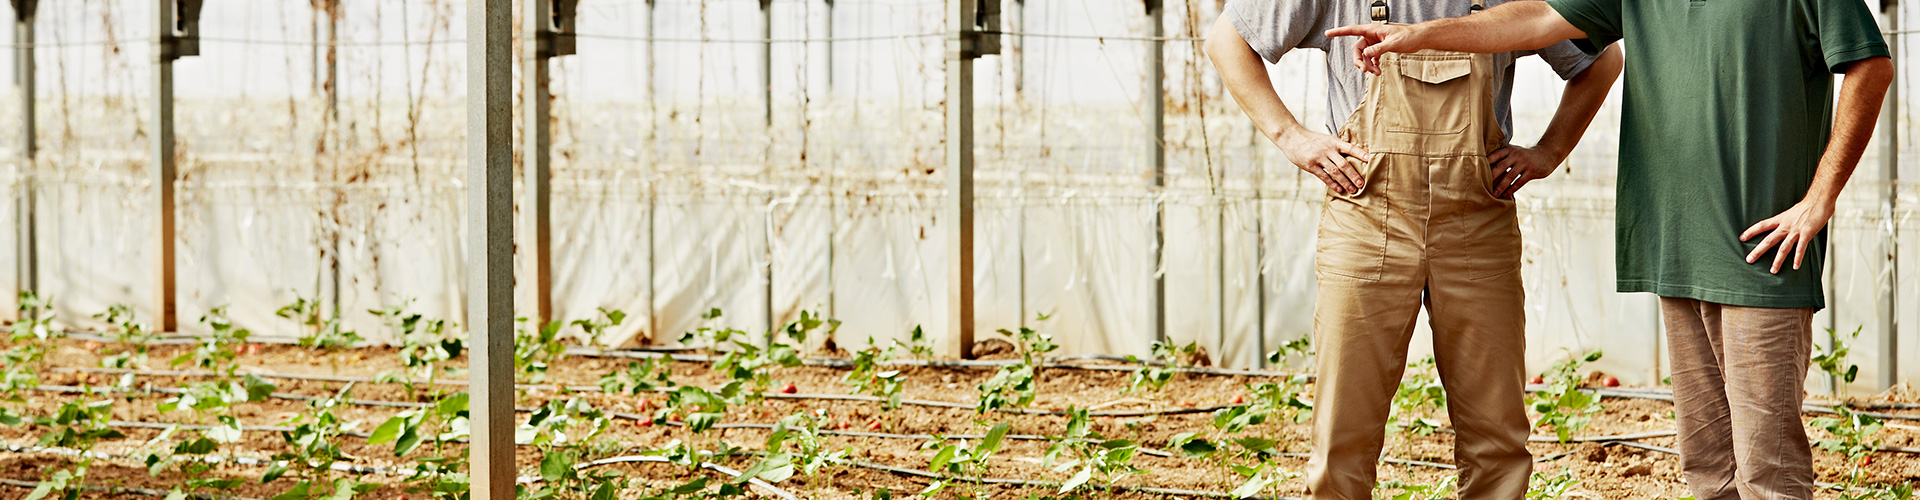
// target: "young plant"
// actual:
[[439, 475], [1833, 360], [1016, 385], [559, 431], [312, 447], [325, 334], [1541, 486], [31, 338], [1301, 347], [79, 424], [535, 349], [1172, 360], [424, 344], [592, 330], [1563, 405], [218, 350], [640, 376], [1095, 454], [955, 461], [870, 375], [1412, 491], [127, 332], [1419, 398], [794, 447]]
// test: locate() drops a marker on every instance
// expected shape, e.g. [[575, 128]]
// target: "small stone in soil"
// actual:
[[1637, 470], [1598, 455]]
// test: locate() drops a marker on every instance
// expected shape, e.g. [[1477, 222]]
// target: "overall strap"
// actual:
[[1478, 5], [1379, 11]]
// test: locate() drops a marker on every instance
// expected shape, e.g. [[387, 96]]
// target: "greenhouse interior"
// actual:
[[866, 249]]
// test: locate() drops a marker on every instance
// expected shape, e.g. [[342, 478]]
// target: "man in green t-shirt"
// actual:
[[1731, 147]]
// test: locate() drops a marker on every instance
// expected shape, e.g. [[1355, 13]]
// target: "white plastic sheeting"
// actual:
[[671, 197]]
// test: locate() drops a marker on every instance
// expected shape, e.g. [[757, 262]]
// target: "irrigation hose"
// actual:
[[118, 489], [1048, 484]]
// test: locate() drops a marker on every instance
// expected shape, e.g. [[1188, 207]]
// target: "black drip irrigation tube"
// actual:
[[119, 489], [1048, 484]]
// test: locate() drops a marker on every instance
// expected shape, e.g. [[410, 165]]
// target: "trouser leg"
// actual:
[[1479, 343], [1700, 397], [1361, 330], [1766, 359]]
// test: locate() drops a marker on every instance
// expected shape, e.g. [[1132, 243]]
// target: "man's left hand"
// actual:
[[1516, 166], [1791, 231]]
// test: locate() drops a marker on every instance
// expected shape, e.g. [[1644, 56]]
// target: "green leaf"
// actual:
[[992, 442], [274, 472], [1078, 479], [388, 431], [555, 466], [300, 491]]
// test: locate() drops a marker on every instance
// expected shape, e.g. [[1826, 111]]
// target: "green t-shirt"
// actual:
[[1728, 105]]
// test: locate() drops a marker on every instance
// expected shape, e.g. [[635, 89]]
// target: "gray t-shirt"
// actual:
[[1273, 27]]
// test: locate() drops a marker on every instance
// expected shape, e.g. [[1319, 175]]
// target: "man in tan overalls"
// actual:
[[1418, 211]]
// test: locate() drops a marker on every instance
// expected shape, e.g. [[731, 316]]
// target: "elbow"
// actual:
[[1221, 39], [1878, 72]]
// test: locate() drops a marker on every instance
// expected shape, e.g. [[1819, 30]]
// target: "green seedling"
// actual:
[[316, 332], [1563, 406], [1419, 399]]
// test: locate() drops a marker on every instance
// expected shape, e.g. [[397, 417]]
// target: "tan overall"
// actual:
[[1425, 228]]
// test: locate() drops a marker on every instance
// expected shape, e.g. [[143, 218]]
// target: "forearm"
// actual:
[[1861, 92], [1245, 76], [1523, 25], [1582, 99]]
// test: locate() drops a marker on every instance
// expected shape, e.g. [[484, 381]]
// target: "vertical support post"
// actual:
[[535, 160], [490, 246], [1890, 171], [1017, 54], [833, 192], [653, 182], [766, 100], [548, 30], [829, 53], [961, 50], [332, 12], [165, 51], [27, 220], [1150, 94]]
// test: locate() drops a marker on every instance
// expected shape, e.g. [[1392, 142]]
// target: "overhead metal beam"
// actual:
[[176, 34], [490, 246], [26, 218], [1151, 95], [961, 51]]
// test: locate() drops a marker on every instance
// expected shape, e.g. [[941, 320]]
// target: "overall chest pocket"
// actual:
[[1431, 94]]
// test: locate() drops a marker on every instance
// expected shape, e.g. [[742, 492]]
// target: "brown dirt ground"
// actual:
[[1605, 472]]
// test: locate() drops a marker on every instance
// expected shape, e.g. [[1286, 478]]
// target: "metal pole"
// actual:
[[537, 48], [833, 193], [1017, 55], [163, 164], [766, 99], [23, 16], [653, 182], [333, 116], [1150, 94], [829, 54], [961, 50], [1890, 170], [490, 246]]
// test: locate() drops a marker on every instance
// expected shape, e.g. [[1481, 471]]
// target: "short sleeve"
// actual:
[[1599, 19], [1847, 32], [1567, 60], [1273, 27]]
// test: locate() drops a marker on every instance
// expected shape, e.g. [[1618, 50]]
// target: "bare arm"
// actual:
[[1861, 90], [1245, 76], [1508, 27], [1584, 94]]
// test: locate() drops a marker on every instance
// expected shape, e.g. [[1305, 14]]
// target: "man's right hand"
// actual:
[[1376, 40], [1324, 156]]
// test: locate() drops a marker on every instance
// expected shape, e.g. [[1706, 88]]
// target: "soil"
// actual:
[[1604, 471]]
